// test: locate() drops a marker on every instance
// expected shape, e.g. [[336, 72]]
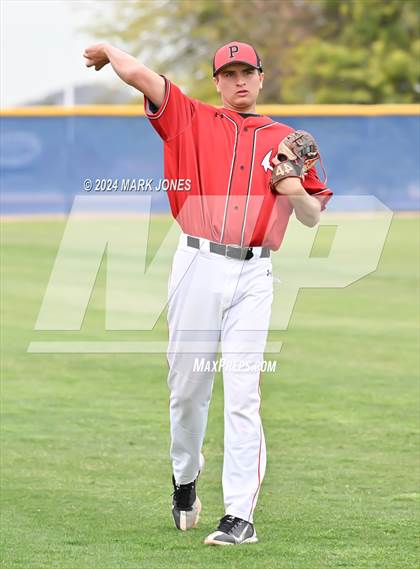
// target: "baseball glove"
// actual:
[[296, 154]]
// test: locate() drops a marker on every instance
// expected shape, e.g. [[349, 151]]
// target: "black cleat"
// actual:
[[186, 505], [232, 531]]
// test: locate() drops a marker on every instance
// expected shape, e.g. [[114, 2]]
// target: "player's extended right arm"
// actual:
[[128, 69]]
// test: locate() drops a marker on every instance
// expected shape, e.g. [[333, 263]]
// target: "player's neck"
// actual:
[[251, 109]]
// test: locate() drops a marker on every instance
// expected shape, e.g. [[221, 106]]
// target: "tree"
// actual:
[[179, 37], [364, 52], [320, 51]]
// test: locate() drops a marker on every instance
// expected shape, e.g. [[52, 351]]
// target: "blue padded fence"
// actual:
[[45, 159]]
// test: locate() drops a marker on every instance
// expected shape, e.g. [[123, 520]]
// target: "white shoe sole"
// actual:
[[185, 521], [252, 539]]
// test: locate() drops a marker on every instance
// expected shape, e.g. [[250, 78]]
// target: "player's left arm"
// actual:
[[294, 176], [307, 208]]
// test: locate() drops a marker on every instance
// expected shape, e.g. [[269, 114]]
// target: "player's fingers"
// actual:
[[91, 48]]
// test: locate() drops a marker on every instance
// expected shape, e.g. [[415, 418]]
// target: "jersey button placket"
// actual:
[[238, 199]]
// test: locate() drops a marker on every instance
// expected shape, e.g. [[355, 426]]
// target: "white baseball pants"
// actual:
[[215, 299]]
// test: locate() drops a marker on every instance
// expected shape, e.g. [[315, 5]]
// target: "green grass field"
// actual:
[[85, 468]]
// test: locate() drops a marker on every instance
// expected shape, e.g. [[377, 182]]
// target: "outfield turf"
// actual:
[[85, 469]]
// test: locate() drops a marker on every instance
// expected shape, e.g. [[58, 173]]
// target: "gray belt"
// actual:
[[232, 251]]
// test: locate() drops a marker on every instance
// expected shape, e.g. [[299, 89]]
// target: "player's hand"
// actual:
[[296, 154], [96, 56]]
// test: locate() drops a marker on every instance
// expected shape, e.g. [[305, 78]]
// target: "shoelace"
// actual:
[[182, 495], [227, 523]]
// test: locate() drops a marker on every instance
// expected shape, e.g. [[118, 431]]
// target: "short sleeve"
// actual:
[[316, 188], [175, 113]]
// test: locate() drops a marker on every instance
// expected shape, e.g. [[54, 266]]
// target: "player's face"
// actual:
[[239, 85]]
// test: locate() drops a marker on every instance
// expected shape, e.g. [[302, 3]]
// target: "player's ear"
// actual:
[[261, 79], [216, 82]]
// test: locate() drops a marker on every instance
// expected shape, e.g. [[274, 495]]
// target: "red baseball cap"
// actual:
[[236, 52]]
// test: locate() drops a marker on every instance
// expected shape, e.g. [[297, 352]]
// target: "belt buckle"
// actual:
[[243, 251], [231, 247]]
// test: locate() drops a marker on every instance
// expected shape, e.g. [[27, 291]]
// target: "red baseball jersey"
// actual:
[[226, 159]]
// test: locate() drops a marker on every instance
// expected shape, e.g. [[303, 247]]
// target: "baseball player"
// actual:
[[248, 174]]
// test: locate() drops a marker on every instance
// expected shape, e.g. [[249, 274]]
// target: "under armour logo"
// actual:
[[269, 273], [233, 49], [266, 161]]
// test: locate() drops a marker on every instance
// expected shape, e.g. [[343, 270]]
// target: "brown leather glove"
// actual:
[[296, 154]]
